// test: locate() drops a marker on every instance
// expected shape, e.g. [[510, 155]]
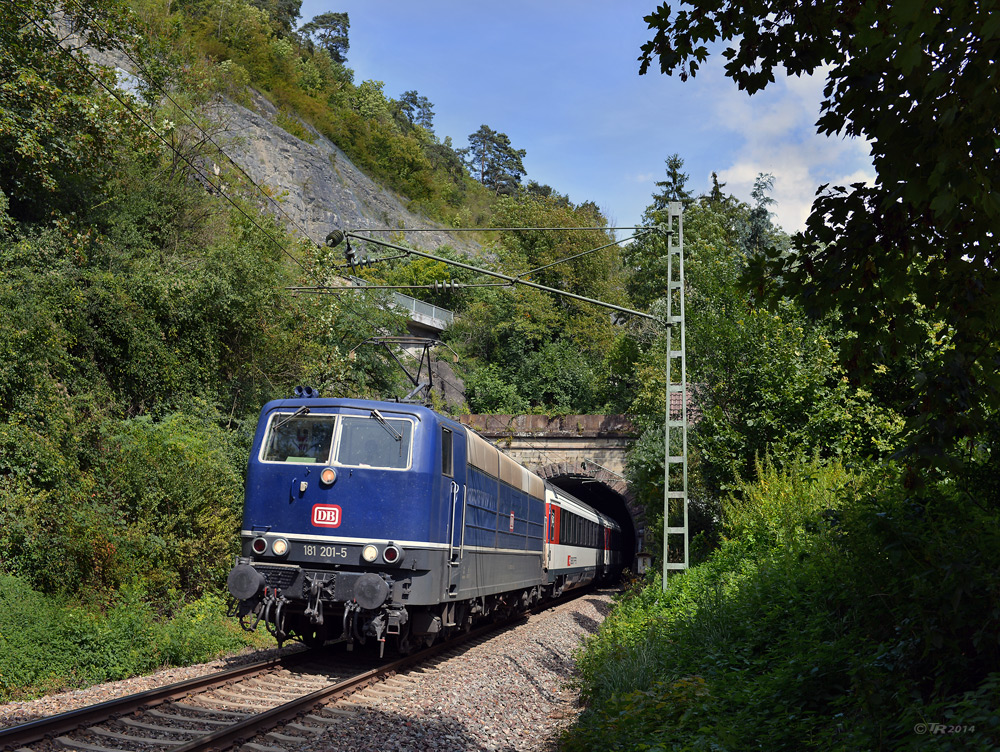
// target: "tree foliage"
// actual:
[[918, 247], [674, 187], [528, 348], [494, 161], [283, 13], [145, 324], [765, 383], [332, 32], [413, 109], [57, 139]]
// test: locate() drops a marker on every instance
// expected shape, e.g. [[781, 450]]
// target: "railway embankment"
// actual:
[[511, 691]]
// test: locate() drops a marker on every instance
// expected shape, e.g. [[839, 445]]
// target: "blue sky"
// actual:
[[560, 78]]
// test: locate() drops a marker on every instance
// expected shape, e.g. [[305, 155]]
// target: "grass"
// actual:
[[49, 644]]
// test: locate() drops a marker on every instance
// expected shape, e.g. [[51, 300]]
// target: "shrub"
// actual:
[[49, 644], [839, 612], [199, 632]]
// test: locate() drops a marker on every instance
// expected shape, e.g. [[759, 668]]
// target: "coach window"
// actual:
[[447, 453]]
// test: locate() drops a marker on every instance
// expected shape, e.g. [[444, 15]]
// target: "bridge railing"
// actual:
[[414, 306]]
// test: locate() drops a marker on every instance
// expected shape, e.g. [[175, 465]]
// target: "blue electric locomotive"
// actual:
[[367, 520]]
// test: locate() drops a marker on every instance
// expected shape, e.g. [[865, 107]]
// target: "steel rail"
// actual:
[[39, 729], [260, 723]]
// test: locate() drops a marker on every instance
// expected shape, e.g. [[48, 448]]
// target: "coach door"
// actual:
[[551, 529]]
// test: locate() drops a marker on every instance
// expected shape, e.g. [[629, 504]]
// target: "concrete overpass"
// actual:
[[582, 454]]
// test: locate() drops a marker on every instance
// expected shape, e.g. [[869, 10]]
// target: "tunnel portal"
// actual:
[[604, 496]]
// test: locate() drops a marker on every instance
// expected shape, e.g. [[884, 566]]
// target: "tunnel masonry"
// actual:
[[583, 454]]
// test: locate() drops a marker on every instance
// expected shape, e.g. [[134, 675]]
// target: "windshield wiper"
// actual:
[[385, 424], [301, 411]]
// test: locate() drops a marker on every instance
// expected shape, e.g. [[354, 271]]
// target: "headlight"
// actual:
[[328, 476], [369, 553], [279, 547]]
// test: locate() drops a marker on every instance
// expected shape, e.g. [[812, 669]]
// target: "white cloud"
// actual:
[[775, 133]]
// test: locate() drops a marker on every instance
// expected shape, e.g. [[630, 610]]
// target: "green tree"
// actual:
[[494, 161], [283, 13], [758, 234], [673, 188], [58, 131], [918, 83], [766, 383], [413, 109], [370, 101], [528, 347], [331, 31], [541, 190]]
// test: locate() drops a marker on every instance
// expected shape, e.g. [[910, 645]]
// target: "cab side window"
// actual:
[[447, 453]]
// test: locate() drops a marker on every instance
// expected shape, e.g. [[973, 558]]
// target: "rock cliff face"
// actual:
[[317, 184], [319, 187]]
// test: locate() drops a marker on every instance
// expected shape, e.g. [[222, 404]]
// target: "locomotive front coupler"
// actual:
[[314, 603]]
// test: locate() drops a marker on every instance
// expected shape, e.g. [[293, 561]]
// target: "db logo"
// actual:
[[326, 515]]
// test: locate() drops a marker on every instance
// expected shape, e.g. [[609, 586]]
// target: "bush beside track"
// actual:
[[840, 612], [48, 645]]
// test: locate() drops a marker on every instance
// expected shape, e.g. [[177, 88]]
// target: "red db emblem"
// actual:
[[326, 515]]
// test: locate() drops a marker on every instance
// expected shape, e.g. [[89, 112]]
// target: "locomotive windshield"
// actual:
[[299, 438], [368, 442]]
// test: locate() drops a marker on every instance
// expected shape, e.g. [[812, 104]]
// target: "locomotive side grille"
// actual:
[[278, 577]]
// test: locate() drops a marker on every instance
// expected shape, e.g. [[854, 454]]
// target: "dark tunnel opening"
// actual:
[[606, 501]]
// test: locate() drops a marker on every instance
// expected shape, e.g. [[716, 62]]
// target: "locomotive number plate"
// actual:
[[324, 552]]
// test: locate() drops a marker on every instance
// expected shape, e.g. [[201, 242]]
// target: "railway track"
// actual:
[[208, 712], [271, 706]]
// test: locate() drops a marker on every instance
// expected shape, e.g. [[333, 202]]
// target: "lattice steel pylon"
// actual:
[[675, 469]]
